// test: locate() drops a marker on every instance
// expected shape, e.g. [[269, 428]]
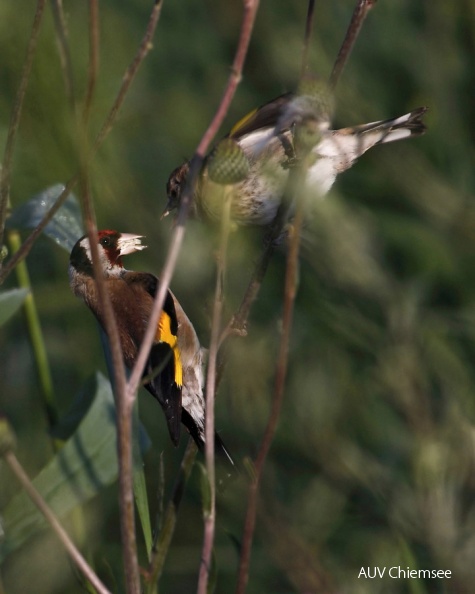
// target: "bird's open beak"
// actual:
[[129, 243], [166, 212]]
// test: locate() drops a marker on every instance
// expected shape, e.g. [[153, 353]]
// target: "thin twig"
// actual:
[[124, 419], [5, 171], [307, 38], [93, 69], [124, 400], [359, 15], [238, 323], [123, 406], [250, 520], [30, 240], [210, 513], [129, 75], [63, 49], [164, 536], [124, 410], [250, 9], [295, 190], [63, 536], [145, 47]]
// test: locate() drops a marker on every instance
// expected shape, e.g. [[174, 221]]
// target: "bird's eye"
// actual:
[[105, 241]]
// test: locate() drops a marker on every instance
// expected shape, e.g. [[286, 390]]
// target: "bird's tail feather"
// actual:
[[410, 124], [222, 454]]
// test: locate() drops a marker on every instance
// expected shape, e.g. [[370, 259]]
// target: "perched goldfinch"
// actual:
[[267, 138], [175, 362]]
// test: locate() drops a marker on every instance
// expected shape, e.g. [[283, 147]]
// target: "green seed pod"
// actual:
[[318, 97], [228, 164]]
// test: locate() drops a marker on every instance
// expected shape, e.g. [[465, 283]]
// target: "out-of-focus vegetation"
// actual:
[[374, 459]]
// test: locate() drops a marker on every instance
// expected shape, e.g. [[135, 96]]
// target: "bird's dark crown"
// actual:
[[81, 258]]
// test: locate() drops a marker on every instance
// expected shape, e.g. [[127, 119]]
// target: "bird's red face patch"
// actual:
[[108, 240]]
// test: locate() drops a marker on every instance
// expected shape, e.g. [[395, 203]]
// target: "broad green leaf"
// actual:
[[66, 226], [83, 467], [77, 411], [10, 301], [140, 487]]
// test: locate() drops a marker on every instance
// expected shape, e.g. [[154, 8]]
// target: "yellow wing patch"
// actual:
[[165, 334], [242, 122]]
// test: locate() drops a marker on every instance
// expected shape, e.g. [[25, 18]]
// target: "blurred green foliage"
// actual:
[[374, 459]]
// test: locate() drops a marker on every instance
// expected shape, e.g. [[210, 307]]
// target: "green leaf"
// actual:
[[10, 301], [140, 487], [84, 466], [82, 401], [66, 226]]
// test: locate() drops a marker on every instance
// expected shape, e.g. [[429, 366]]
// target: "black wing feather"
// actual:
[[163, 387], [161, 365], [265, 116], [151, 284]]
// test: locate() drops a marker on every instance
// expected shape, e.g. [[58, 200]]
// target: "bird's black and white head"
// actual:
[[112, 245]]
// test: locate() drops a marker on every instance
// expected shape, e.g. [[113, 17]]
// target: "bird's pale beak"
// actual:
[[168, 208], [129, 243]]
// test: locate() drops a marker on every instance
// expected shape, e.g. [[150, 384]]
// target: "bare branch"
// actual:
[[210, 517], [359, 15], [93, 58], [250, 9], [129, 75], [164, 536], [30, 240], [5, 171], [63, 48], [124, 410], [295, 190], [123, 404], [53, 521], [307, 38], [238, 323]]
